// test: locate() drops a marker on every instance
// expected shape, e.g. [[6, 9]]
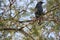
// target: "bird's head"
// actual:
[[41, 2]]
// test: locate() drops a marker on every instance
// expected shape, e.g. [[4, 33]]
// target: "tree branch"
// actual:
[[26, 34], [21, 30], [53, 8], [11, 28]]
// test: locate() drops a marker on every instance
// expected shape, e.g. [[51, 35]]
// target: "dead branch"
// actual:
[[21, 30]]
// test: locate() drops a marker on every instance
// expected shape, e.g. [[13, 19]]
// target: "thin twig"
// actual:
[[26, 34]]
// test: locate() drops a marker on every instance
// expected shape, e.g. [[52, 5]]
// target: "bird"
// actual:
[[39, 10]]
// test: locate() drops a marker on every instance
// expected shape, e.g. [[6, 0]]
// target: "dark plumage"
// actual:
[[39, 9]]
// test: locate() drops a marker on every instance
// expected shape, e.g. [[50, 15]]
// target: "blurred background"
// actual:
[[17, 20]]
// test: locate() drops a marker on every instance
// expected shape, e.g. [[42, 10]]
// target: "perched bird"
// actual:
[[39, 9]]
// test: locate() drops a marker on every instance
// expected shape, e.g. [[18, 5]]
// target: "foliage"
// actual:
[[17, 17]]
